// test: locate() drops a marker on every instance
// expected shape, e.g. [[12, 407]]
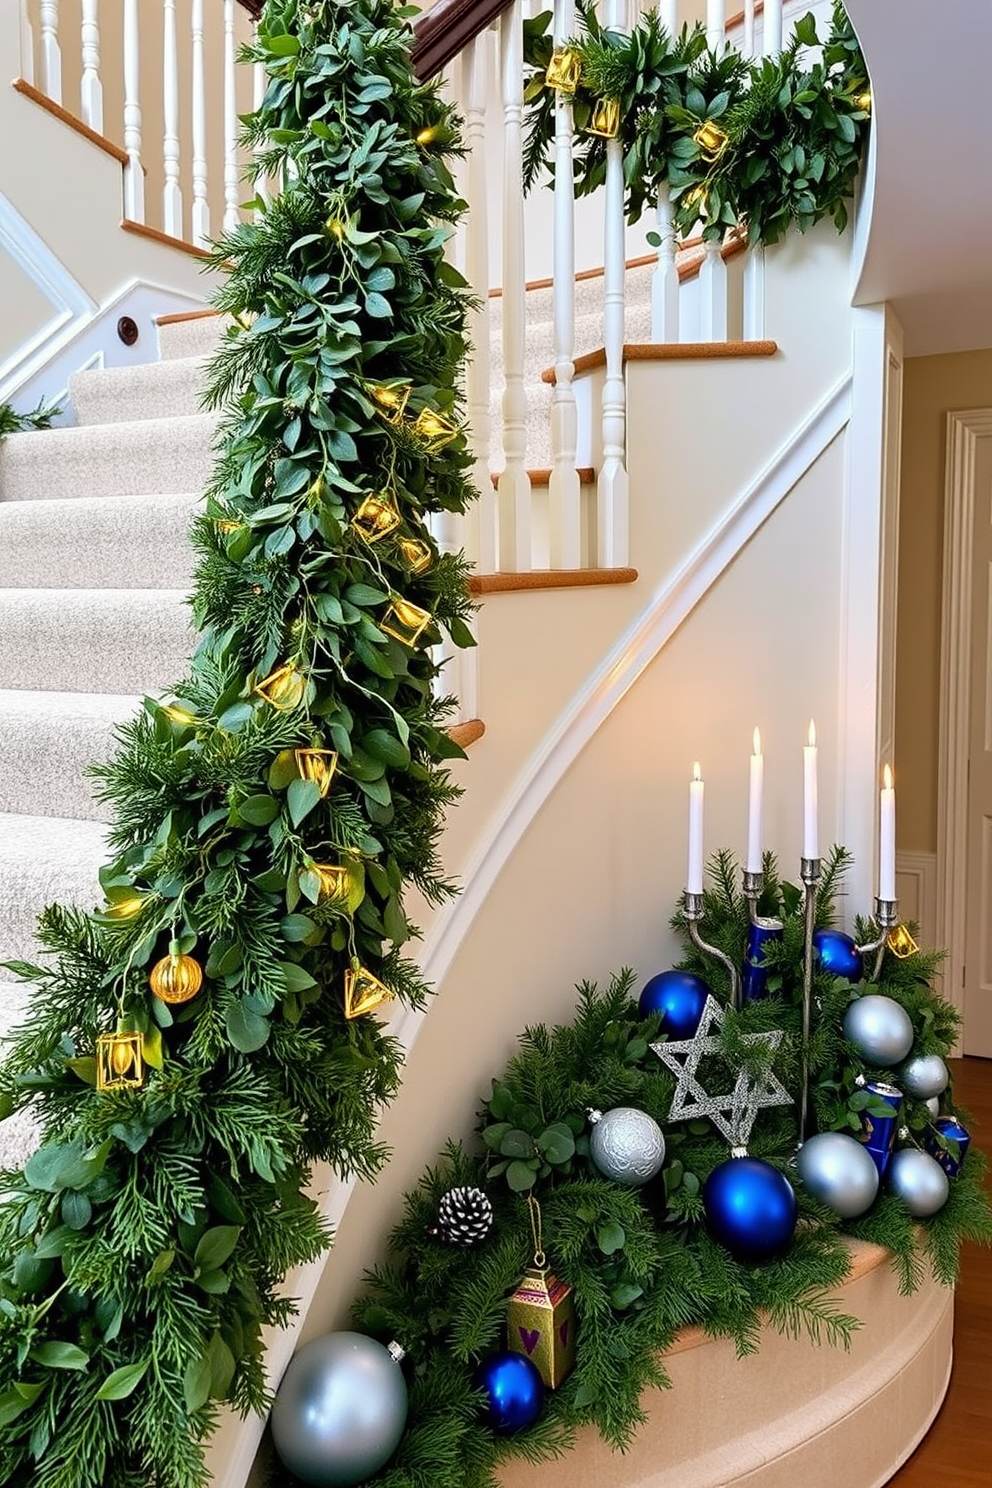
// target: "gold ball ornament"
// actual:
[[176, 978]]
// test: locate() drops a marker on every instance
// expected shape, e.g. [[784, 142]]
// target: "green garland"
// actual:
[[641, 1261], [786, 133], [12, 422], [143, 1245]]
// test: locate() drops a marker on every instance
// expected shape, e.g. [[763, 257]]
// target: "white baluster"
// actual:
[[716, 16], [51, 52], [231, 194], [260, 82], [201, 208], [748, 47], [713, 295], [668, 11], [564, 493], [665, 279], [134, 177], [772, 22], [754, 294], [172, 192], [514, 483], [27, 44], [612, 522], [91, 88], [482, 515]]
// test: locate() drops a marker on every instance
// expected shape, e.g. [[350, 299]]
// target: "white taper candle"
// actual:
[[694, 876], [811, 843], [754, 806], [887, 839]]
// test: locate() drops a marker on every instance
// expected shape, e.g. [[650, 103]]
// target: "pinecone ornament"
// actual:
[[465, 1216]]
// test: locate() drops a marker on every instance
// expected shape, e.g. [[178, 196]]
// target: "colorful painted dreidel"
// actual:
[[540, 1316]]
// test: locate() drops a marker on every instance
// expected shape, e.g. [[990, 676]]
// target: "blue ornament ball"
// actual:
[[750, 1209], [680, 996], [514, 1390], [837, 953]]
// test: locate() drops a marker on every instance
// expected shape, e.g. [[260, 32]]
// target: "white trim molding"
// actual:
[[916, 888], [964, 429]]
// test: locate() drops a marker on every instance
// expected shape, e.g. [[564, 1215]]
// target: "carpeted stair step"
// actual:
[[154, 390], [97, 542], [198, 336], [44, 860], [156, 457], [94, 640], [48, 740]]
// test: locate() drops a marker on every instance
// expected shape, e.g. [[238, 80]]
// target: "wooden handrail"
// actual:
[[440, 33]]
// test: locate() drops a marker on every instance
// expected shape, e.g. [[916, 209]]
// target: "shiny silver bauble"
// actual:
[[919, 1181], [880, 1029], [924, 1077], [626, 1145], [839, 1172], [340, 1410], [933, 1106]]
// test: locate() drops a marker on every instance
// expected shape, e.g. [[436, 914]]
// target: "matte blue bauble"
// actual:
[[680, 996], [837, 953], [750, 1208], [515, 1391]]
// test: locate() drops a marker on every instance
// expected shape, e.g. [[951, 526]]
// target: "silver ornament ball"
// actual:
[[880, 1029], [340, 1410], [627, 1145], [933, 1106], [919, 1181], [924, 1077], [839, 1172]]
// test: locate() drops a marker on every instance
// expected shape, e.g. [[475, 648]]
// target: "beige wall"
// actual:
[[933, 385]]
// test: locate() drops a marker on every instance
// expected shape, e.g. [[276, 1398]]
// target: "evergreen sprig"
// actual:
[[144, 1245]]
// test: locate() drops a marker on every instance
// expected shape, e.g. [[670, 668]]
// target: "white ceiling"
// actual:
[[929, 246]]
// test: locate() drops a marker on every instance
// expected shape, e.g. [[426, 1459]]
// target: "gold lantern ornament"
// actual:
[[711, 139], [416, 554], [405, 622], [176, 978], [901, 943], [696, 198], [283, 688], [428, 136], [334, 880], [863, 101], [318, 766], [605, 119], [434, 430], [564, 70], [363, 992], [540, 1315], [120, 1063], [391, 400], [376, 518]]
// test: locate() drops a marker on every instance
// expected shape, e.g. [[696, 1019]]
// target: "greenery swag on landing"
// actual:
[[144, 1243], [784, 137], [640, 1260]]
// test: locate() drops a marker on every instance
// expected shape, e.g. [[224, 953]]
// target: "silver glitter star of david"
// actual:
[[733, 1114]]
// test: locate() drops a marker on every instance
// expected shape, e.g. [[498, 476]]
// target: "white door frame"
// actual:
[[964, 429]]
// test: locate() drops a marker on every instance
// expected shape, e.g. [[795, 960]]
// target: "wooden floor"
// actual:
[[957, 1451]]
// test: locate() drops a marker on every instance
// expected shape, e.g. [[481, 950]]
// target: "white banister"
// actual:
[[713, 294], [201, 208], [90, 87], [514, 481], [172, 192], [716, 17], [27, 44], [772, 24], [564, 493], [749, 28], [134, 178], [231, 195], [665, 279], [51, 52], [612, 520], [481, 539]]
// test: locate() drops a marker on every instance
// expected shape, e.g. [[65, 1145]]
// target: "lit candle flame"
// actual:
[[756, 742], [695, 771], [812, 733], [887, 778]]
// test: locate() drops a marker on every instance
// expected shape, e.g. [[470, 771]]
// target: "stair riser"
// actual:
[[97, 543], [167, 457], [156, 390], [190, 338], [93, 641]]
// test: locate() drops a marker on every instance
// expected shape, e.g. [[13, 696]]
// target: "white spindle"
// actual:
[[260, 82], [772, 22], [172, 192], [749, 28], [481, 541], [665, 279], [716, 16], [27, 44], [231, 215], [51, 52], [713, 295], [91, 88], [668, 11], [201, 209], [564, 493], [612, 521], [134, 177], [754, 294], [514, 482]]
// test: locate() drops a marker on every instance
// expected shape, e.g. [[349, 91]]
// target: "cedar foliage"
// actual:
[[144, 1243]]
